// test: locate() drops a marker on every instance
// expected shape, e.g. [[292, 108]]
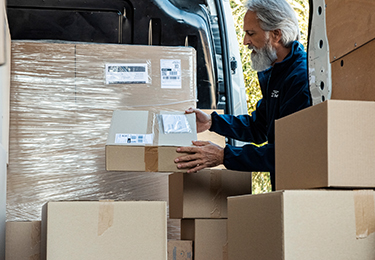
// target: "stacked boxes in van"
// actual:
[[199, 201], [324, 206], [62, 100]]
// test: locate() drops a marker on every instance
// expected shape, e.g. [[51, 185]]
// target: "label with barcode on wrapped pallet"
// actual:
[[126, 73], [170, 73]]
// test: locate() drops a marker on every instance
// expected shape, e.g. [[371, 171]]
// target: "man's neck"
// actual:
[[281, 53]]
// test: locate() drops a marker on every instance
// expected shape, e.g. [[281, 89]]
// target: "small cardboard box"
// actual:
[[147, 141], [180, 250], [209, 237], [204, 194], [302, 224], [328, 145], [89, 230], [22, 240]]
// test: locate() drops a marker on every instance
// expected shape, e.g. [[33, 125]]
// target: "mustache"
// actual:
[[252, 48]]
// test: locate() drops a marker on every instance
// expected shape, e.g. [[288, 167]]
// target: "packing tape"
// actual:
[[225, 251], [216, 193], [364, 213], [35, 239], [106, 214], [151, 159], [35, 233]]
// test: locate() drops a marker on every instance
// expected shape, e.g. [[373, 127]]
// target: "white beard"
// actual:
[[263, 58]]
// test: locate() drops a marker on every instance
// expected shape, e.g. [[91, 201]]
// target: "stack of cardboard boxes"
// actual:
[[199, 200], [62, 100], [324, 206]]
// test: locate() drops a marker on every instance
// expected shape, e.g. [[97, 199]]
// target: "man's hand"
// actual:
[[203, 120], [203, 154]]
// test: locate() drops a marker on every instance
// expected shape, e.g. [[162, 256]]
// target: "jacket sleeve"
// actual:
[[247, 128], [250, 158]]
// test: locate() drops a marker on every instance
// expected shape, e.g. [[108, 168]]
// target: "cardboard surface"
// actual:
[[300, 224], [155, 155], [356, 17], [22, 240], [180, 250], [328, 145], [352, 75], [204, 194], [104, 230], [209, 237]]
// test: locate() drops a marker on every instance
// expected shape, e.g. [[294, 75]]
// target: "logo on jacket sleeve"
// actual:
[[275, 94]]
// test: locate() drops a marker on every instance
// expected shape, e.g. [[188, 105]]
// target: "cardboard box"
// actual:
[[180, 250], [340, 17], [204, 194], [209, 237], [146, 141], [302, 224], [22, 240], [328, 145], [352, 77], [104, 230]]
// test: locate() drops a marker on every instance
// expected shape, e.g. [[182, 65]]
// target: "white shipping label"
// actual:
[[134, 138], [170, 73], [175, 124], [126, 73]]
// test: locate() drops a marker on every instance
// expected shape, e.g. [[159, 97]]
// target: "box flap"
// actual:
[[128, 122], [140, 128]]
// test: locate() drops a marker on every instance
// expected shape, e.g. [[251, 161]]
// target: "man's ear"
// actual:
[[276, 35]]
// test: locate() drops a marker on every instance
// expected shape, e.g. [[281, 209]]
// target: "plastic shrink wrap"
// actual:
[[63, 95]]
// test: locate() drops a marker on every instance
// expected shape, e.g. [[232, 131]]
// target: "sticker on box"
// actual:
[[134, 138], [170, 73], [126, 73], [175, 124]]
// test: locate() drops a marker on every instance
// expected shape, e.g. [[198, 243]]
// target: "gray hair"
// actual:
[[276, 14]]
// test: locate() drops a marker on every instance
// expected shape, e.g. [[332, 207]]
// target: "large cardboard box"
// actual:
[[180, 250], [146, 141], [302, 224], [22, 240], [328, 145], [204, 194], [104, 230], [209, 237]]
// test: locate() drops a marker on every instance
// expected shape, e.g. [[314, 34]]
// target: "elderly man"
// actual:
[[272, 33]]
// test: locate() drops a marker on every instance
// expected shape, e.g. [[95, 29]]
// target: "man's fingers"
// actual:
[[193, 166], [189, 110], [200, 143]]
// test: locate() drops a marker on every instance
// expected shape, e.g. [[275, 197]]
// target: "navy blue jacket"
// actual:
[[285, 90]]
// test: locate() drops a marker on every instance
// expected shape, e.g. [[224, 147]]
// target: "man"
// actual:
[[272, 33]]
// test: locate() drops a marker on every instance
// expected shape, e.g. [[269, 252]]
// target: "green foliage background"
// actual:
[[261, 180]]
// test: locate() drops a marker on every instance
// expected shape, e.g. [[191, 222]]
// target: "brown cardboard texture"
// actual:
[[209, 237], [204, 194], [328, 145], [104, 230], [302, 224], [340, 17], [147, 141], [22, 240], [352, 77], [180, 250]]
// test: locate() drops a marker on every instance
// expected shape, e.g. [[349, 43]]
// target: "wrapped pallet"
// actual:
[[62, 99]]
